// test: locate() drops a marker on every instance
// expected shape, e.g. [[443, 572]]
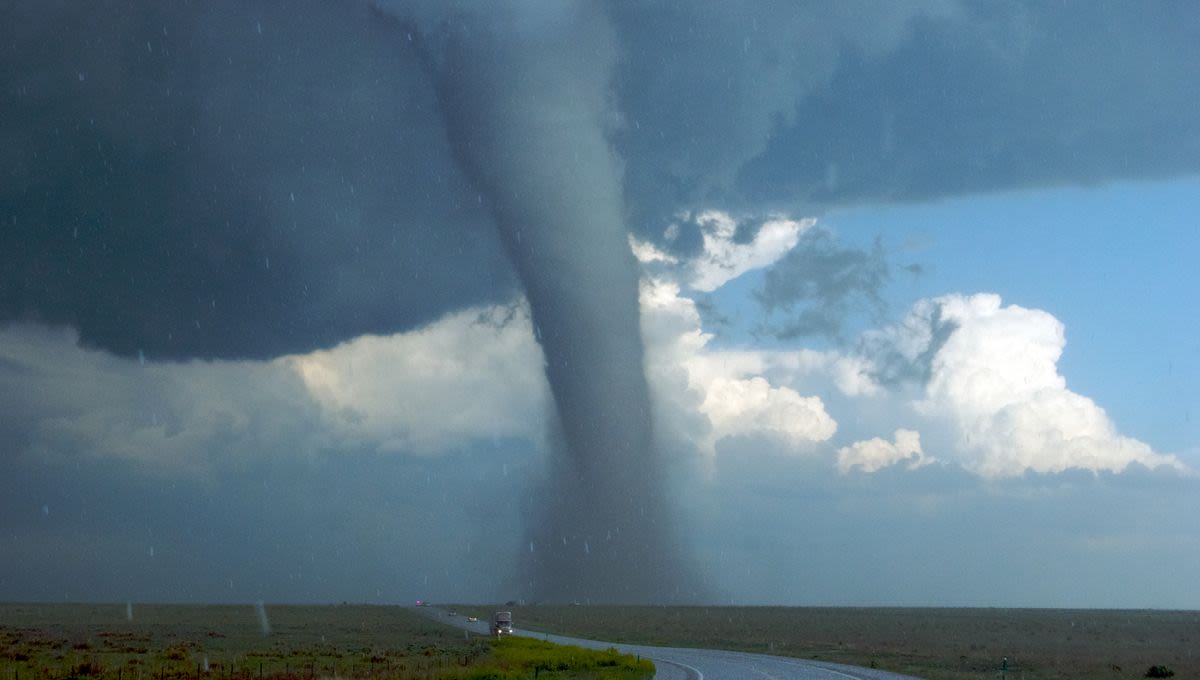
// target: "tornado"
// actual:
[[526, 98]]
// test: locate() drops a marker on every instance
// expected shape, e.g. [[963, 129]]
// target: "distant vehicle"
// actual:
[[420, 603], [472, 619], [502, 624], [453, 613]]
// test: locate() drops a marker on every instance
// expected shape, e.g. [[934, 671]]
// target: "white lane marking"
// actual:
[[763, 673], [695, 673], [803, 663]]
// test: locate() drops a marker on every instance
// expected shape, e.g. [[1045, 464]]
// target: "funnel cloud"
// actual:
[[525, 96]]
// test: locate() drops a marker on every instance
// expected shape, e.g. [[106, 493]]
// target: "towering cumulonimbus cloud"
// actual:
[[525, 95]]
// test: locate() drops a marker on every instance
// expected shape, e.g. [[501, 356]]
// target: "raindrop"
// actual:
[[82, 77], [76, 232], [587, 549], [128, 611], [152, 551], [504, 469], [148, 48], [46, 510], [258, 25], [268, 262], [531, 546], [141, 357], [293, 194]]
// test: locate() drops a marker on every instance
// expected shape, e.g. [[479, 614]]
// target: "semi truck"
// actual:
[[502, 624]]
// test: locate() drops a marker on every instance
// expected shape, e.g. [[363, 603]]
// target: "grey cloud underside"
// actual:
[[180, 183], [1002, 96], [819, 284], [151, 152]]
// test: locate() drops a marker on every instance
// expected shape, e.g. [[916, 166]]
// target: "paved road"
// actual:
[[676, 663]]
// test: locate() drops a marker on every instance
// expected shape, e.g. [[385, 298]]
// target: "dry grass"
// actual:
[[940, 644], [164, 642], [181, 642]]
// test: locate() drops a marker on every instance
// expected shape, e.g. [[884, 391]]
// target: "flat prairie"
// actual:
[[935, 643], [225, 642], [229, 642], [277, 642]]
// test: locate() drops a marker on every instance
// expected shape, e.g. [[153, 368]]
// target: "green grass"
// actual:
[[182, 642], [515, 657], [940, 644]]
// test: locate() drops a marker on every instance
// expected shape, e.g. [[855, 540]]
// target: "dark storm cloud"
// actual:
[[248, 179], [894, 364], [238, 180], [997, 96], [702, 85], [819, 284]]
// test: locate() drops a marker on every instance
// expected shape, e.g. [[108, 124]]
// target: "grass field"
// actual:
[[181, 642], [940, 644]]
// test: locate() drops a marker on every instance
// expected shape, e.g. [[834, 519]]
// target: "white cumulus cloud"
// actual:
[[474, 374], [726, 389], [471, 376], [751, 405], [991, 375], [722, 257], [875, 454]]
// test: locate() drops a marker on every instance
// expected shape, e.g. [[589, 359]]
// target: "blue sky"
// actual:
[[1109, 261]]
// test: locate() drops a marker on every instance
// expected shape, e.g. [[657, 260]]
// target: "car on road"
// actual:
[[502, 624]]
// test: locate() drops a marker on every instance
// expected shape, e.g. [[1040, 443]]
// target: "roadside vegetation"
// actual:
[[238, 642], [939, 644]]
